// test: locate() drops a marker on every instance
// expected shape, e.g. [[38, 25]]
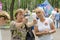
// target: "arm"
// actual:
[[12, 25], [30, 24], [38, 33], [12, 28], [53, 30]]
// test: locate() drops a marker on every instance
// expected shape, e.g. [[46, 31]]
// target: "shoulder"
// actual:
[[12, 23], [49, 19]]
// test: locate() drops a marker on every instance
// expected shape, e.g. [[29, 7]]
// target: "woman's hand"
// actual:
[[40, 33], [46, 31], [34, 21]]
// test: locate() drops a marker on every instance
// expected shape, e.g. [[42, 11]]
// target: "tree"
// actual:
[[18, 3], [11, 9]]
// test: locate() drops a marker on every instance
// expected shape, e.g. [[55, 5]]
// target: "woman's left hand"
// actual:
[[46, 31]]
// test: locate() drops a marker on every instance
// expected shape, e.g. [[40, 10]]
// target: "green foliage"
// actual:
[[31, 4], [6, 4]]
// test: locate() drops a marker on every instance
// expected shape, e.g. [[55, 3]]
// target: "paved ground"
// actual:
[[57, 35]]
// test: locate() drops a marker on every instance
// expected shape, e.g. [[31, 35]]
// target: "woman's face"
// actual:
[[20, 16], [39, 13], [2, 19]]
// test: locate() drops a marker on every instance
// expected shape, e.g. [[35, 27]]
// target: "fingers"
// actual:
[[35, 21], [47, 31]]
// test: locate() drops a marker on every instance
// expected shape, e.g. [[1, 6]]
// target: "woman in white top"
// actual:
[[45, 26]]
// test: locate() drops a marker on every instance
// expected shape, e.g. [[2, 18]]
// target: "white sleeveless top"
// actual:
[[44, 25]]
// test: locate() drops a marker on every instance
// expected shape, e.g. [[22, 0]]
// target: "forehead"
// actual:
[[19, 13], [38, 10]]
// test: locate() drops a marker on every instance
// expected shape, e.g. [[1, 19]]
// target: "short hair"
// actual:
[[5, 15], [18, 11]]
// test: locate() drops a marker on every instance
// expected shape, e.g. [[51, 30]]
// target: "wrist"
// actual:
[[49, 32]]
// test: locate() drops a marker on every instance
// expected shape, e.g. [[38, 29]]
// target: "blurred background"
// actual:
[[11, 5]]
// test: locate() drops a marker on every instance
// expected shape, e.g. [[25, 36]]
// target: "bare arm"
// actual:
[[38, 33], [30, 24], [53, 30]]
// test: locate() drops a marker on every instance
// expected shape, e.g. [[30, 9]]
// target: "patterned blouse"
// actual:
[[17, 34]]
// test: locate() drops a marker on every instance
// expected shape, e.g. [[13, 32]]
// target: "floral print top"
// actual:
[[17, 34]]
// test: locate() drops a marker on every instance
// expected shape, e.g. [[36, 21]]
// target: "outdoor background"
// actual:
[[11, 5]]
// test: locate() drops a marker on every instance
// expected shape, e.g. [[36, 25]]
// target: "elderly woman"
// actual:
[[18, 28], [4, 17], [44, 27]]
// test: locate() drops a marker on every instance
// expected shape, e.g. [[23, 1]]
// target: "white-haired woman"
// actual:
[[44, 27]]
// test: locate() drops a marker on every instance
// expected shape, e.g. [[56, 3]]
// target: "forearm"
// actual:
[[41, 33], [52, 31], [34, 33], [30, 24]]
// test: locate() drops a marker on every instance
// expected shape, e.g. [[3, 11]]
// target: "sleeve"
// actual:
[[50, 20], [12, 25]]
